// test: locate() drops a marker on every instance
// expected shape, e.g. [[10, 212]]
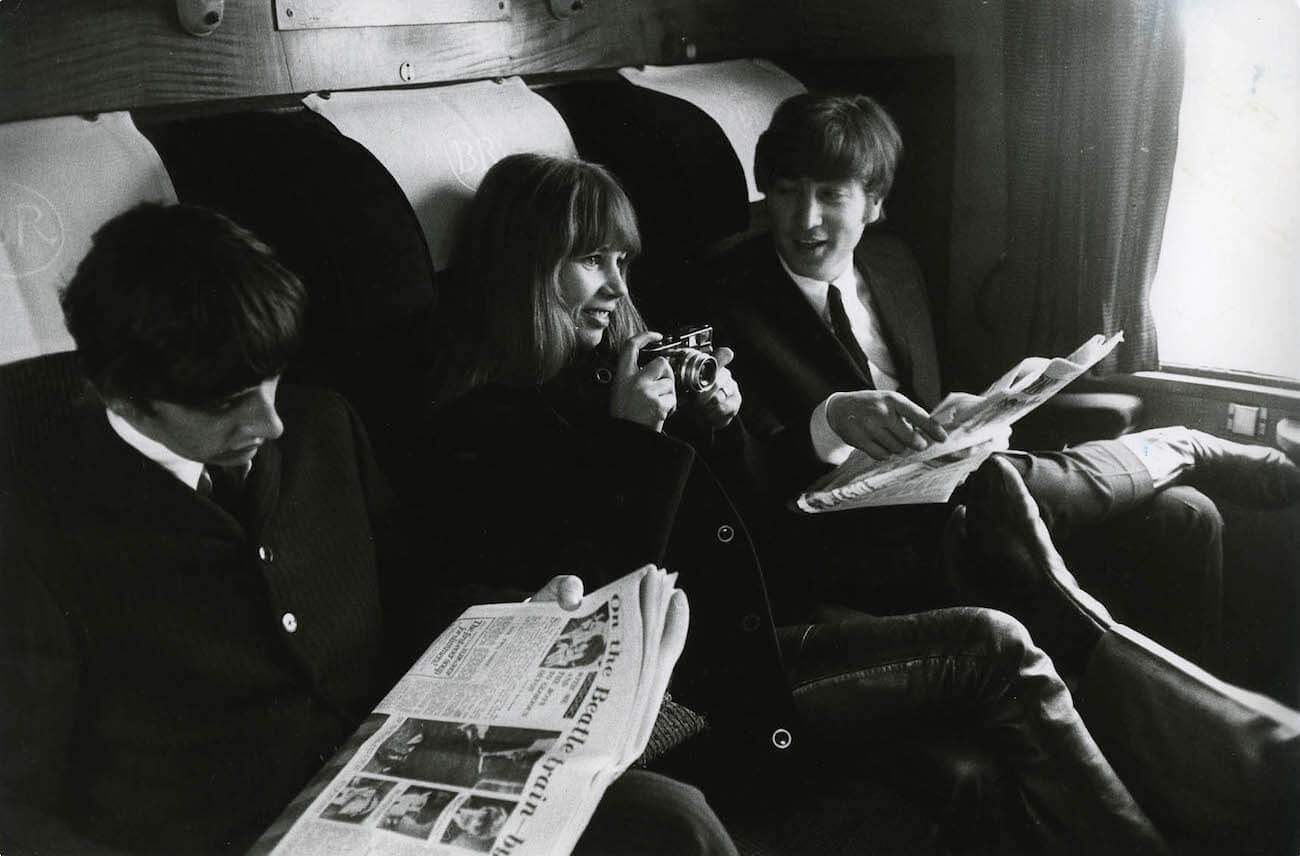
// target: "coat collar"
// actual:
[[99, 469]]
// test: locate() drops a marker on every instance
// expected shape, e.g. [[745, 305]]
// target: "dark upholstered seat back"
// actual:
[[677, 167], [36, 394], [339, 220]]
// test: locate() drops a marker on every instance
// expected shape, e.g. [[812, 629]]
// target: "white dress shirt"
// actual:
[[189, 472], [829, 446]]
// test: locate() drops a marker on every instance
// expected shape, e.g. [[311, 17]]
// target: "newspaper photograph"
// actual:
[[933, 473], [503, 736]]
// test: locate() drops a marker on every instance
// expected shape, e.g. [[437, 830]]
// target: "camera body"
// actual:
[[689, 351]]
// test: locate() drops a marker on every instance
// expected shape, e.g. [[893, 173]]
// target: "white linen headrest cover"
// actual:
[[60, 180], [438, 142]]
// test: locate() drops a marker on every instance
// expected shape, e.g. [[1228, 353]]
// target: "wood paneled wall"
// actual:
[[78, 56]]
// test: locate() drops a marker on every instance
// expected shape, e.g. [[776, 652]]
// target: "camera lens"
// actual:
[[696, 370]]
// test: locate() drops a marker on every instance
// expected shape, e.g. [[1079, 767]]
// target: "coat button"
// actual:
[[265, 554], [781, 739], [290, 622], [604, 375], [749, 623], [726, 533]]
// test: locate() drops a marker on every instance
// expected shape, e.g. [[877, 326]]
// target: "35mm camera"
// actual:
[[689, 352]]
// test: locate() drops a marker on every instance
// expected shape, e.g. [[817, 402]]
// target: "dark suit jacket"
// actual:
[[787, 362], [541, 481], [151, 696]]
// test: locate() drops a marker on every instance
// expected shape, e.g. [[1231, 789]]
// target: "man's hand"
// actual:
[[564, 589], [882, 423], [645, 394], [719, 404]]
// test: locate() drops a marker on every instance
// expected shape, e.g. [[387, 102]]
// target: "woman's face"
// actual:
[[591, 286]]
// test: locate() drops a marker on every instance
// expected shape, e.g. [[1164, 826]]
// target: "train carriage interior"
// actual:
[[350, 138]]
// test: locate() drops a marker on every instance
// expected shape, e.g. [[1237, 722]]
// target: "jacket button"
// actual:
[[604, 375], [781, 739], [265, 554], [749, 623], [726, 533], [290, 622]]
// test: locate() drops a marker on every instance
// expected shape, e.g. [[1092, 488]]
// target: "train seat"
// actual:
[[438, 142], [338, 219], [64, 177]]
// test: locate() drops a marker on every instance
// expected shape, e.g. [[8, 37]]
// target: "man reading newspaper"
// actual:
[[835, 350], [203, 597]]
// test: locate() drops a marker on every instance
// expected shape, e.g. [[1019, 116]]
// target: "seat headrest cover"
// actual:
[[62, 179], [741, 95], [438, 142]]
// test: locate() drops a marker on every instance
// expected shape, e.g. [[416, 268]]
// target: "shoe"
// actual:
[[1008, 562], [1247, 475]]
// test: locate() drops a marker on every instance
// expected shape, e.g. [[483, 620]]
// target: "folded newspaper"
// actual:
[[504, 735], [933, 473]]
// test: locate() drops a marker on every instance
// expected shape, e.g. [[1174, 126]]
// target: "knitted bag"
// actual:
[[675, 724]]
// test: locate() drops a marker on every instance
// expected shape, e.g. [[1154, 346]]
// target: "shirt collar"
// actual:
[[815, 289], [189, 472]]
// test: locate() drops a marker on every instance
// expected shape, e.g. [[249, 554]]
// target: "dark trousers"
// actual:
[[906, 698], [1154, 557], [650, 814]]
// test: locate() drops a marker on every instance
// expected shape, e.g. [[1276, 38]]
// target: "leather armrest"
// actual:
[[1074, 417]]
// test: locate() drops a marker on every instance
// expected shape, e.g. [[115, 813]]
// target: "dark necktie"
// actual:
[[844, 332], [226, 487]]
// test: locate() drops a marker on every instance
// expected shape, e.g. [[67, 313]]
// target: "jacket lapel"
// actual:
[[899, 300], [796, 328], [263, 486], [110, 474]]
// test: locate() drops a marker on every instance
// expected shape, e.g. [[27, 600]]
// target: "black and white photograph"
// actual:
[[357, 800], [581, 642], [463, 755], [476, 823], [415, 810], [353, 354]]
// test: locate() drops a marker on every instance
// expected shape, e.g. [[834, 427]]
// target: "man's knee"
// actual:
[[648, 813], [999, 632], [1184, 513]]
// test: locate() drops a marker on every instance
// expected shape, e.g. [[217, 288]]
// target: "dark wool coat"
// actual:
[[170, 676], [543, 481]]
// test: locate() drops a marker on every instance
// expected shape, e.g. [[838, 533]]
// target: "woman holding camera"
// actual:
[[557, 448]]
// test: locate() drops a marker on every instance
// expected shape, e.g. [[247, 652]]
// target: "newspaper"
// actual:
[[931, 474], [504, 735]]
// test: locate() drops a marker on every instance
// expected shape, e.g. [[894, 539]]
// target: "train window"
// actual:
[[1226, 295]]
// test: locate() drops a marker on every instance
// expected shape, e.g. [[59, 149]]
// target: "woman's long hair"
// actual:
[[531, 213]]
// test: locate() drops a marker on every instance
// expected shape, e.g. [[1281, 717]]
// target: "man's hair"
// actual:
[[178, 303], [828, 137], [532, 213]]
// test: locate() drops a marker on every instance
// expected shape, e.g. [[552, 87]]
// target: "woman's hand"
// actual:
[[564, 589], [645, 394], [719, 404]]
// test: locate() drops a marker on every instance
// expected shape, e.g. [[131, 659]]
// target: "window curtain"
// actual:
[[1093, 89]]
